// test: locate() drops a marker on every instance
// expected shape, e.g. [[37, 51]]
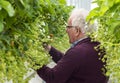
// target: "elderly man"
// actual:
[[81, 63]]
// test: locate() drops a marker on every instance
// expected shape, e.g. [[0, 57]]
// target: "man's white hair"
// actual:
[[78, 17]]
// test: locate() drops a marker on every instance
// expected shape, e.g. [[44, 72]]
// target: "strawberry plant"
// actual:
[[107, 15], [24, 25]]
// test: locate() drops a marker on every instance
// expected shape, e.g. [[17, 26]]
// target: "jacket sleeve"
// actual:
[[56, 55], [61, 72]]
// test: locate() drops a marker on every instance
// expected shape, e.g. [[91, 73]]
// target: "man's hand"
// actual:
[[46, 46]]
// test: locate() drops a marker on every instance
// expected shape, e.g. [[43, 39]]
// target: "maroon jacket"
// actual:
[[80, 64]]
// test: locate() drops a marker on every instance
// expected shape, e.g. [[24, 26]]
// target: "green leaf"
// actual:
[[20, 4], [103, 10], [105, 6], [0, 7], [8, 7], [117, 1], [93, 13], [62, 1], [1, 25]]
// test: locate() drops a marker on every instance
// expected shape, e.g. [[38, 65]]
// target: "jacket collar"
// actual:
[[76, 42]]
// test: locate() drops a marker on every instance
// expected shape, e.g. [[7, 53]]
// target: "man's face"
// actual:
[[71, 31]]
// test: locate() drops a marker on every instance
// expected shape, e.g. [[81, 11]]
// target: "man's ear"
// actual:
[[78, 31]]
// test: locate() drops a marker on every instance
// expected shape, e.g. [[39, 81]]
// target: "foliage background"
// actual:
[[24, 26], [107, 15]]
